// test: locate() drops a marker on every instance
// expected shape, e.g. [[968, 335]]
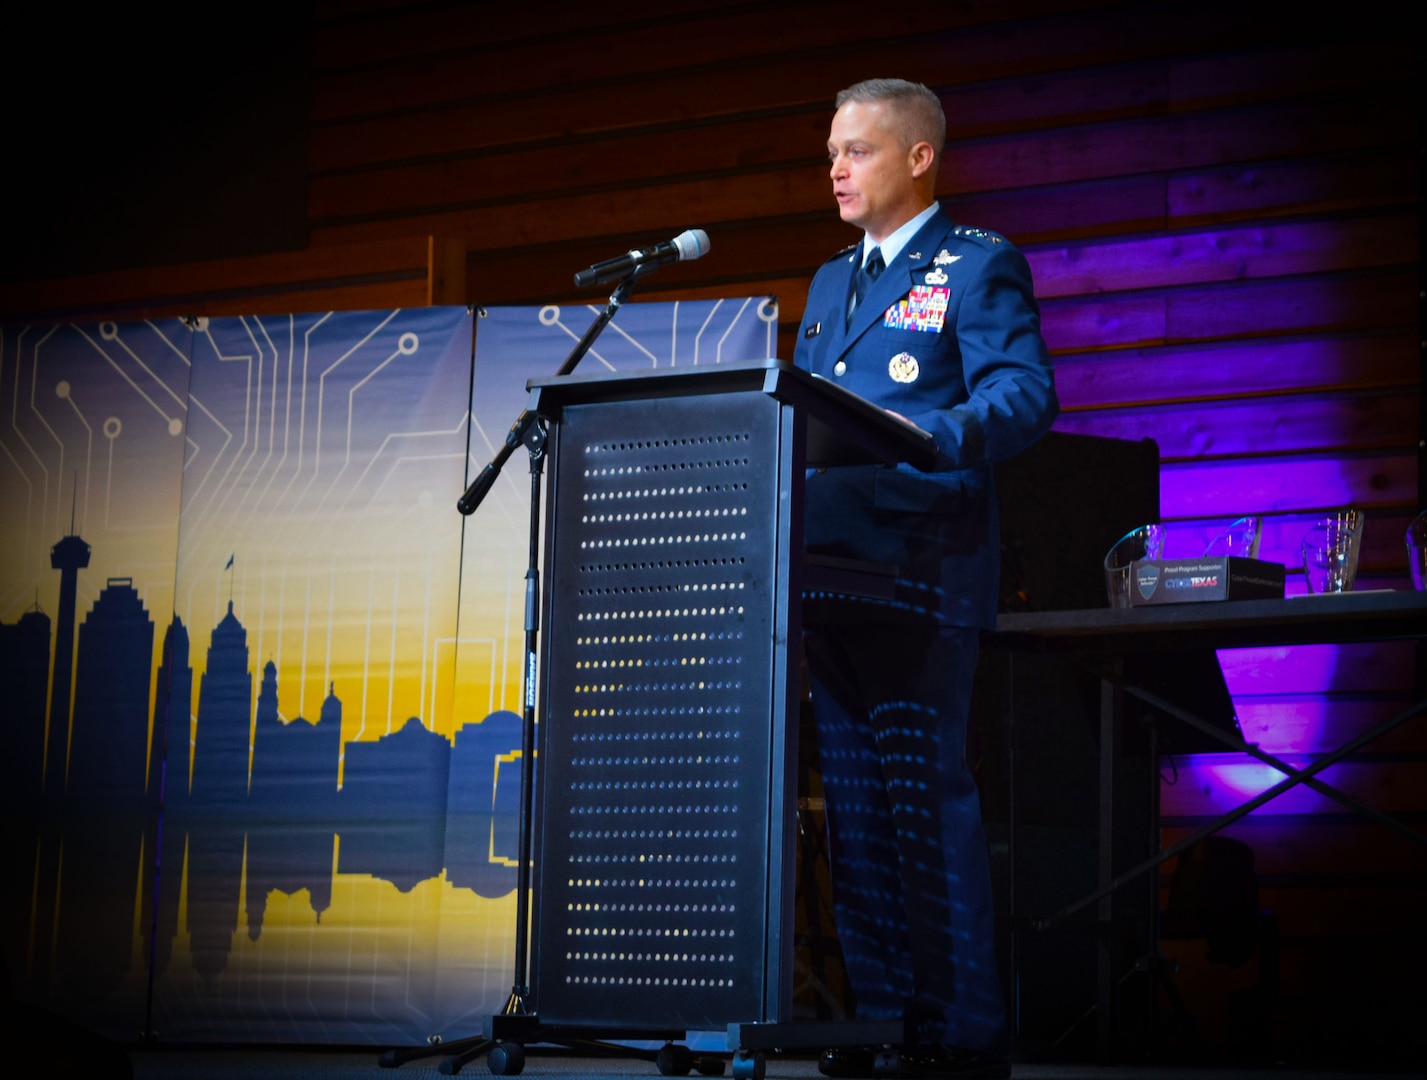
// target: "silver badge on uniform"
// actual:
[[945, 258], [936, 277], [903, 368]]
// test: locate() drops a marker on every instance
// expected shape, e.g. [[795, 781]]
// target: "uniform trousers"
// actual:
[[911, 879]]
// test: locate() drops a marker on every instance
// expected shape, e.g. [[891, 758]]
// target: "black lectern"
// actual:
[[668, 689]]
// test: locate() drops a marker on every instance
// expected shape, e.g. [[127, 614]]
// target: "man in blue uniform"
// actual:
[[935, 322]]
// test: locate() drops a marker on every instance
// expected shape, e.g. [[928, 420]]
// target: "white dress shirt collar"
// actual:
[[892, 246]]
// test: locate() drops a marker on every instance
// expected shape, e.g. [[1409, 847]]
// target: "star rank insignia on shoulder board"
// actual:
[[978, 234]]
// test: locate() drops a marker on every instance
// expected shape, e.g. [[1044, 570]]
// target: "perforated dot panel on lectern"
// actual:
[[658, 715]]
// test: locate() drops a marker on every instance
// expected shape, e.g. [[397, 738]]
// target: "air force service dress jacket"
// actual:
[[949, 337]]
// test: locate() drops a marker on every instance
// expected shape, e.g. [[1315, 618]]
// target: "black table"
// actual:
[[1114, 635], [1228, 624]]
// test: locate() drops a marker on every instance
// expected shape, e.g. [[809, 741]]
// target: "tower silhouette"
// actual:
[[225, 708], [169, 758], [110, 730], [295, 763], [104, 814], [24, 685], [69, 557], [167, 793]]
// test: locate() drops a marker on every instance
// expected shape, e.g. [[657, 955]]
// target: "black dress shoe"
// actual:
[[847, 1062]]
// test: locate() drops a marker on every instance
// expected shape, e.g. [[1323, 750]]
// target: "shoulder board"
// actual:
[[844, 253], [986, 236]]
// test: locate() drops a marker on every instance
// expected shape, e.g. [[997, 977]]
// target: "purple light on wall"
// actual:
[[1252, 674], [1316, 669], [1291, 724], [1198, 490], [1264, 366], [1207, 784], [1236, 781]]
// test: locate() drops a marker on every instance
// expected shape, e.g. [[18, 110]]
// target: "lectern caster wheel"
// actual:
[[749, 1065], [674, 1060], [506, 1059], [887, 1064]]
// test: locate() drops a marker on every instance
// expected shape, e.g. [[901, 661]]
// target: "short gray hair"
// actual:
[[919, 114]]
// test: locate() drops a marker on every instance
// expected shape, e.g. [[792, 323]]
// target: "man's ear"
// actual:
[[922, 158]]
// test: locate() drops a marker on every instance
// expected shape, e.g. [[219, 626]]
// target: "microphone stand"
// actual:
[[505, 1034], [530, 431]]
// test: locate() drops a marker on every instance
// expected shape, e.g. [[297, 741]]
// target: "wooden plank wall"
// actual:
[[1222, 211], [404, 271]]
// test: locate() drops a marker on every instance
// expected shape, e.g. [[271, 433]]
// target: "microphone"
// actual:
[[690, 244]]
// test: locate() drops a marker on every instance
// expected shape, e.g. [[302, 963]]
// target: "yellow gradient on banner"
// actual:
[[370, 622], [439, 947]]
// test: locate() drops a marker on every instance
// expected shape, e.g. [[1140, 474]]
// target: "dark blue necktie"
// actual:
[[863, 279]]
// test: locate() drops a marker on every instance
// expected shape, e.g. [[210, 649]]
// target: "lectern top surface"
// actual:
[[843, 428]]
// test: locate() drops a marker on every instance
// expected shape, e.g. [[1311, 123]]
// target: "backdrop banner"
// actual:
[[254, 664]]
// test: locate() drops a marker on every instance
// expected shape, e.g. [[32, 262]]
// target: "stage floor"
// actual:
[[339, 1065]]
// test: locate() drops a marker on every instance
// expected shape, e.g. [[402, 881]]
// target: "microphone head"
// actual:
[[692, 244]]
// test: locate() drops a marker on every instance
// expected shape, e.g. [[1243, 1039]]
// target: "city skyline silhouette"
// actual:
[[234, 799]]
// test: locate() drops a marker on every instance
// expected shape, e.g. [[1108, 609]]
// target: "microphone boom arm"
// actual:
[[516, 436]]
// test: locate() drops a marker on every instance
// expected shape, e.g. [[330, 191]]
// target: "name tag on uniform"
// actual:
[[924, 308]]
